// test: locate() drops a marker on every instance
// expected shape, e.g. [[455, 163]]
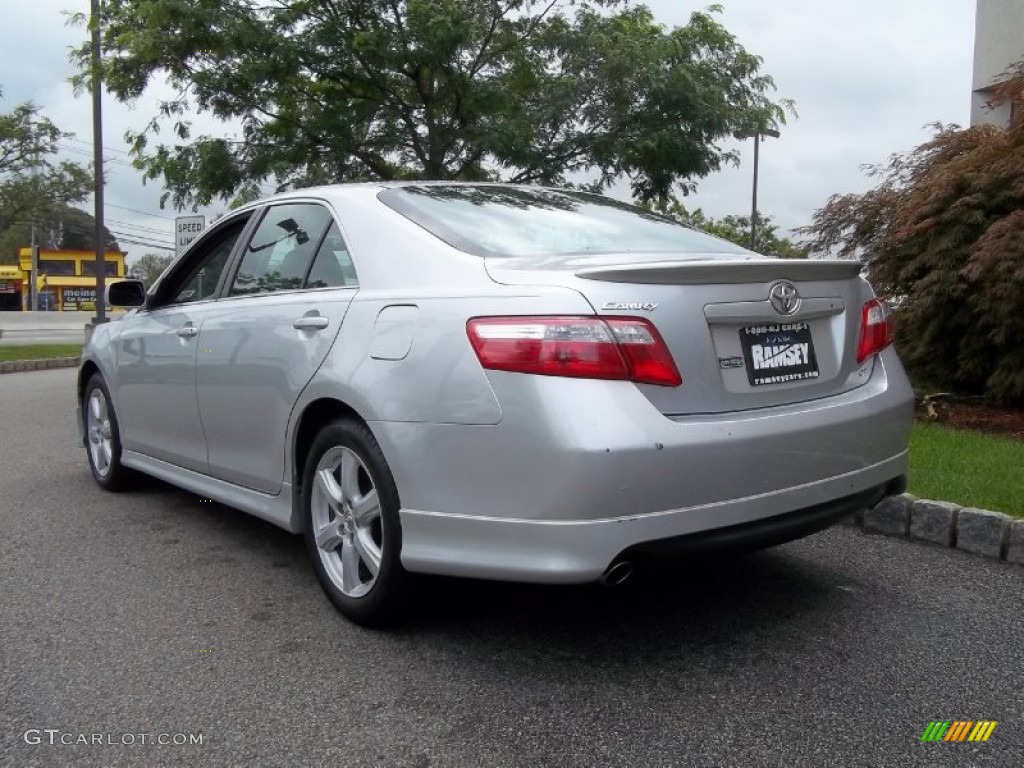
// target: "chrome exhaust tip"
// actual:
[[617, 574]]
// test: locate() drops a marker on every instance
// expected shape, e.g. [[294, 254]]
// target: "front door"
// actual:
[[156, 356]]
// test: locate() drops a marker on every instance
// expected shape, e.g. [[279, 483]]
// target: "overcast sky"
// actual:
[[867, 76]]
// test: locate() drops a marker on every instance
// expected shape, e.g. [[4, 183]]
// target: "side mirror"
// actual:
[[126, 293]]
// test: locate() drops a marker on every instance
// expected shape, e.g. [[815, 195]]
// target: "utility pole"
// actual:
[[33, 287], [97, 141]]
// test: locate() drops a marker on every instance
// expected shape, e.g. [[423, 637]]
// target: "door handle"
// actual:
[[311, 323], [187, 331]]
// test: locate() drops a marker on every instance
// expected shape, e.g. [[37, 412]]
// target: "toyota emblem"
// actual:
[[784, 298]]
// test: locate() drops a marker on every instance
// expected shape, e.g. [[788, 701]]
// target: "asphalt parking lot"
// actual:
[[154, 613]]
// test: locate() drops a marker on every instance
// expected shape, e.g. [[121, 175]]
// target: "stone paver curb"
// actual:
[[890, 516], [18, 366], [979, 531], [1015, 543], [982, 532], [934, 521]]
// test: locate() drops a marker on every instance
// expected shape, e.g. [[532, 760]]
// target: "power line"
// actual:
[[151, 238], [86, 153], [123, 238], [141, 213], [149, 246], [89, 144], [139, 227]]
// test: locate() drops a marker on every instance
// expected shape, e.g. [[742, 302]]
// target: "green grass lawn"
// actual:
[[972, 469], [38, 351]]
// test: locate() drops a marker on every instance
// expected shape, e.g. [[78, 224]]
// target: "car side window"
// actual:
[[332, 266], [200, 281], [282, 247]]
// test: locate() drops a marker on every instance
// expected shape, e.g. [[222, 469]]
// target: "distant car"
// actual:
[[497, 381]]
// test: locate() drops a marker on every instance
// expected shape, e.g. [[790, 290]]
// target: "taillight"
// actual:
[[875, 331], [623, 348]]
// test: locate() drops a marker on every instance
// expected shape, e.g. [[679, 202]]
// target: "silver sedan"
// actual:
[[496, 381]]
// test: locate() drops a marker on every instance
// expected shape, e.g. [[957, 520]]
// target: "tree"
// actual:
[[149, 267], [943, 237], [32, 181], [735, 229], [518, 90], [57, 226]]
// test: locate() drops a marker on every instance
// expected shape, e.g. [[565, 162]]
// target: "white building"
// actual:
[[998, 43]]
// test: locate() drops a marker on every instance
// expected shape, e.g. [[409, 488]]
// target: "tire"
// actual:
[[353, 533], [103, 437]]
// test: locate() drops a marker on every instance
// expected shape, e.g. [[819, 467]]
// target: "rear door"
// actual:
[[261, 344]]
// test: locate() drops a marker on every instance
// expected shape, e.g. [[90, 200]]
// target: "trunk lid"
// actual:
[[737, 347]]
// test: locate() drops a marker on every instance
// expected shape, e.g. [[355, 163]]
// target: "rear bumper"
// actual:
[[578, 552], [767, 532], [578, 472]]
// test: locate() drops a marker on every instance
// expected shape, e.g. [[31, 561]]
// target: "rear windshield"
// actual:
[[494, 220]]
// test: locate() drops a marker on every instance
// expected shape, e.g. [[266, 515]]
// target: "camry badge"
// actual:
[[784, 297], [642, 306]]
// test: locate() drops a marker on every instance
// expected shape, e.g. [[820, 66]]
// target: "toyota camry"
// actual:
[[496, 381]]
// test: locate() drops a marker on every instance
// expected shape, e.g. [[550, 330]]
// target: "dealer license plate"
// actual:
[[778, 353]]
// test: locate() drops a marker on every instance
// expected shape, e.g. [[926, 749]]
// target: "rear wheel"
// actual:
[[353, 533], [102, 437]]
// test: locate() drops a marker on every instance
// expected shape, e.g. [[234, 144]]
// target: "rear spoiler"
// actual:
[[725, 271]]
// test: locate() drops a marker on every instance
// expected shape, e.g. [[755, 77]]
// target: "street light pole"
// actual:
[[97, 140], [753, 206], [757, 136]]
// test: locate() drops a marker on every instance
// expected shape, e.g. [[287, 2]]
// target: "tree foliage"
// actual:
[[541, 91], [943, 237], [58, 226], [73, 229], [735, 229], [33, 183], [149, 267]]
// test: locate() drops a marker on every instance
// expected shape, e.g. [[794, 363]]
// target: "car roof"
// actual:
[[365, 189]]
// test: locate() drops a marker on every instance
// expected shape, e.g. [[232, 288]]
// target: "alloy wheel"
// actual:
[[99, 433], [346, 518]]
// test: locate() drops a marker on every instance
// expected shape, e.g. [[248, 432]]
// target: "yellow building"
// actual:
[[66, 279], [12, 279]]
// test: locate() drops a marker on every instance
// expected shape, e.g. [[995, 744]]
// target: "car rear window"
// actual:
[[496, 220]]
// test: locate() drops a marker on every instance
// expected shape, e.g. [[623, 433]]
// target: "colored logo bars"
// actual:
[[959, 730]]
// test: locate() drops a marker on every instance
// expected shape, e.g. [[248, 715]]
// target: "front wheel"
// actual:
[[353, 533], [102, 437]]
